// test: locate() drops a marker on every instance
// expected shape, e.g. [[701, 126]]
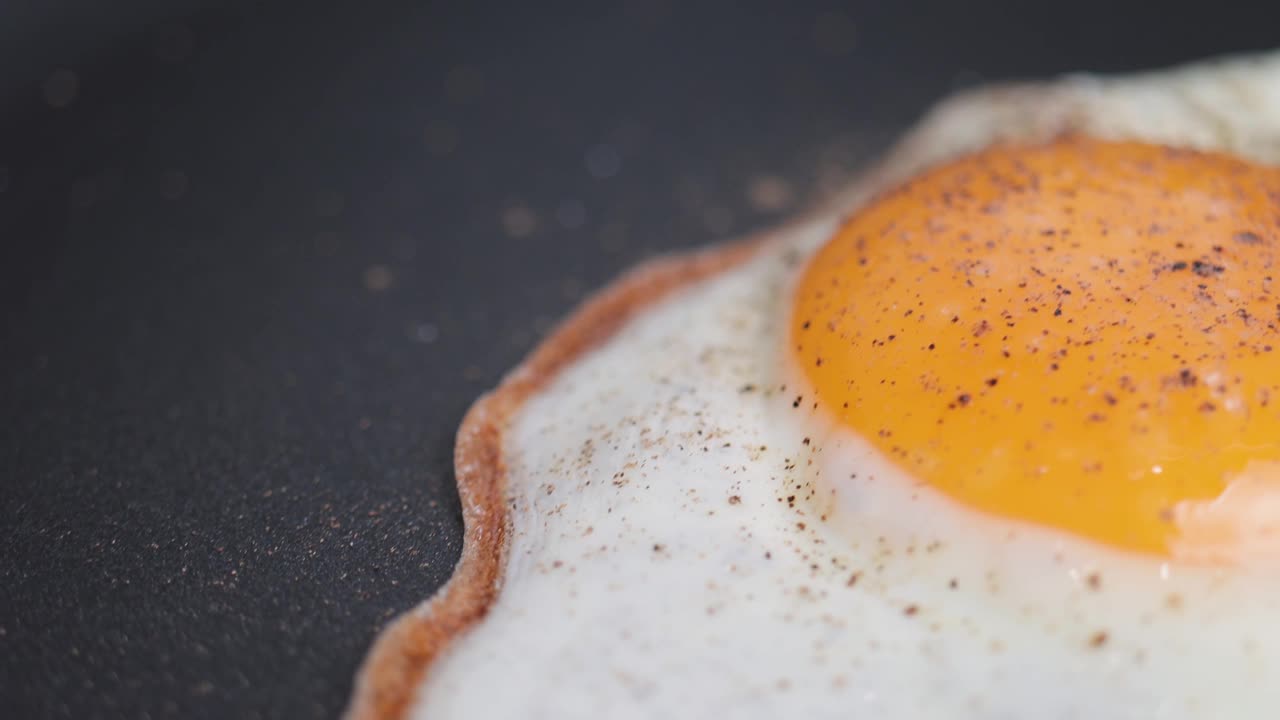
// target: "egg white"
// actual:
[[686, 538]]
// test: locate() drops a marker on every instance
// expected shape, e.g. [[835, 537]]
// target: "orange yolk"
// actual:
[[1082, 335]]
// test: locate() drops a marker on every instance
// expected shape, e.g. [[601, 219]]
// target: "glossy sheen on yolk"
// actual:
[[1082, 335]]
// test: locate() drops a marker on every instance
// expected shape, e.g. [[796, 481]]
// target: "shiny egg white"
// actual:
[[686, 539]]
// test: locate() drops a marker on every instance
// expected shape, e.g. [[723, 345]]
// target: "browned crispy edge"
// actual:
[[399, 660]]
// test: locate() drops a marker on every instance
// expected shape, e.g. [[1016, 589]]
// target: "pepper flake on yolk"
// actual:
[[1082, 335]]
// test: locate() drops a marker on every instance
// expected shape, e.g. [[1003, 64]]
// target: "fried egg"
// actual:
[[995, 434]]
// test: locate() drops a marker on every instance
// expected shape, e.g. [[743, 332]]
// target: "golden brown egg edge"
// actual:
[[387, 682]]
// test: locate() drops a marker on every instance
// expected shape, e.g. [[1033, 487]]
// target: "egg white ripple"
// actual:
[[678, 550]]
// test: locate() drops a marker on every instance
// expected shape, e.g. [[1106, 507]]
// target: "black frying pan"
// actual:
[[259, 257]]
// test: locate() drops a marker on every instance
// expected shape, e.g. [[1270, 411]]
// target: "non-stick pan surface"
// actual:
[[259, 257]]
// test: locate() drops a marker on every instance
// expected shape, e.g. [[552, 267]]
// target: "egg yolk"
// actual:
[[1081, 334]]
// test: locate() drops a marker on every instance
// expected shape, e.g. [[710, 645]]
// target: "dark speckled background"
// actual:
[[258, 258]]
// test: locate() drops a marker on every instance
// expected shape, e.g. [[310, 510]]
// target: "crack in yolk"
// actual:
[[1078, 335]]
